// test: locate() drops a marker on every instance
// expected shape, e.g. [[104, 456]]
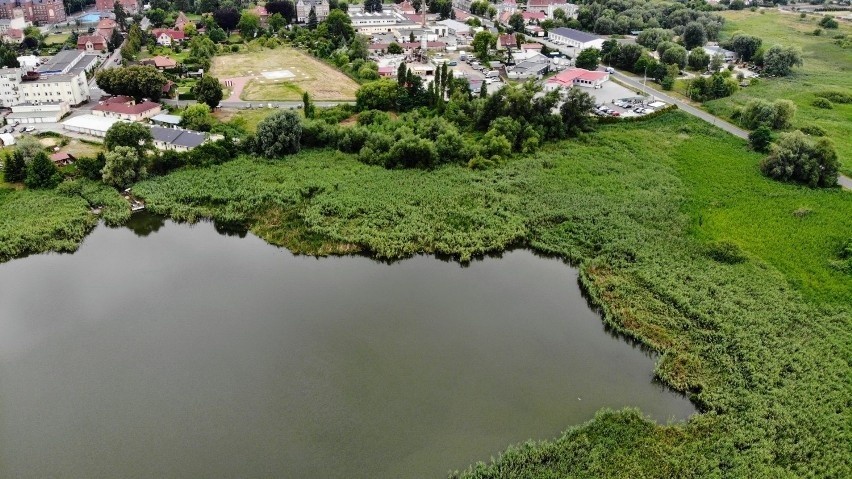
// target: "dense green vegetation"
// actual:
[[680, 239], [825, 74]]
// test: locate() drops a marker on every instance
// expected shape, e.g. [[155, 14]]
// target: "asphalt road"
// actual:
[[843, 181]]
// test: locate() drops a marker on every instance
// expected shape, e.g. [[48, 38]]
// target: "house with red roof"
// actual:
[[106, 27], [166, 37], [576, 77], [95, 43], [261, 12], [404, 8], [129, 112], [159, 61], [506, 41], [62, 159], [181, 21]]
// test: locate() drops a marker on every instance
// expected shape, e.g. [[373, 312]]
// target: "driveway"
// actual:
[[844, 181]]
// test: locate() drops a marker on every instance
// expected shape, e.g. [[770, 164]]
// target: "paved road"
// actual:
[[843, 181]]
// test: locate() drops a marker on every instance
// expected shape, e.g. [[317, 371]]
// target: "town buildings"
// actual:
[[575, 38], [35, 11], [303, 9], [576, 77], [61, 79], [131, 7]]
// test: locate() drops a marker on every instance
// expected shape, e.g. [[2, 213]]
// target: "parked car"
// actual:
[[609, 70], [453, 63], [28, 129]]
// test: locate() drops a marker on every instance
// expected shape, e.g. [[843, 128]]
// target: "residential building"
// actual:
[[166, 36], [261, 12], [576, 77], [13, 35], [181, 21], [10, 84], [48, 112], [176, 139], [106, 27], [35, 11], [575, 38], [713, 50], [404, 8], [62, 159], [94, 43], [15, 22], [506, 41], [130, 112], [303, 9], [70, 88], [131, 7], [549, 7], [457, 28], [161, 62]]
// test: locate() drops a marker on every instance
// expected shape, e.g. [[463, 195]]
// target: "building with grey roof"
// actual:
[[176, 139], [575, 38]]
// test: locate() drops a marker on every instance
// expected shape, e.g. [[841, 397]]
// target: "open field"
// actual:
[[827, 67], [247, 118], [310, 75]]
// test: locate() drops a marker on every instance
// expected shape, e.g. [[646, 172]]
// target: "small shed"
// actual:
[[62, 159]]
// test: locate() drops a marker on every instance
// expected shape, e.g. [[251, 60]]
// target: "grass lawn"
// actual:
[[322, 81], [179, 57], [827, 67], [56, 38], [80, 149]]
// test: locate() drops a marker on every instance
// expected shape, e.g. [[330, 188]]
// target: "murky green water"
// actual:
[[186, 353]]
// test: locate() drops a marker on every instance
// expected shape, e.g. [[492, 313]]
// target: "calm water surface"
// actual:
[[185, 353]]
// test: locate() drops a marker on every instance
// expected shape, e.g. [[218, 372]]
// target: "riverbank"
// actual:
[[680, 240]]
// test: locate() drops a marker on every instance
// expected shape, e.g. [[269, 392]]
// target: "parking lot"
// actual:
[[610, 92]]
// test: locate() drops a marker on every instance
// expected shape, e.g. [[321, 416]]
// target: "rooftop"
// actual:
[[186, 138], [568, 76], [91, 122], [60, 61], [166, 118], [574, 34]]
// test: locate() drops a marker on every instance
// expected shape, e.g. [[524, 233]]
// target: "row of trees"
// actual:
[[138, 81]]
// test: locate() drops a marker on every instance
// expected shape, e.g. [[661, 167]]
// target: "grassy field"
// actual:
[[247, 118], [323, 82], [827, 67], [56, 38], [759, 339]]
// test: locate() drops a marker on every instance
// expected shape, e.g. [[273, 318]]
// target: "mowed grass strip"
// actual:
[[827, 67], [320, 80]]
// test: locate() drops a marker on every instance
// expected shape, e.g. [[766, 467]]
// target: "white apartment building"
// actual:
[[10, 82], [62, 79]]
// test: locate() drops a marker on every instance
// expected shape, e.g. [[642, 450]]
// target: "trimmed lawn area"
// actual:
[[322, 81], [827, 67], [56, 39]]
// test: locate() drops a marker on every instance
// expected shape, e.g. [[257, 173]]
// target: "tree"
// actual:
[[359, 47], [208, 90], [276, 22], [227, 18], [371, 6], [197, 117], [8, 56], [777, 115], [308, 105], [312, 19], [42, 173], [516, 21], [651, 37], [91, 167], [120, 15], [216, 34], [698, 59], [482, 43], [401, 74], [339, 26], [671, 74], [575, 111], [779, 61], [132, 135], [279, 134], [675, 55], [15, 169], [694, 35], [248, 25], [395, 48], [123, 167], [760, 139], [379, 95], [828, 22], [745, 46], [115, 40], [138, 81], [796, 158], [28, 147], [716, 62], [286, 8], [156, 16], [588, 59]]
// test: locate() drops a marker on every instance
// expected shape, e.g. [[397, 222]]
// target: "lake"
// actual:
[[170, 350]]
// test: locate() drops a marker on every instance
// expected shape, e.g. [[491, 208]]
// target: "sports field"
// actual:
[[284, 74]]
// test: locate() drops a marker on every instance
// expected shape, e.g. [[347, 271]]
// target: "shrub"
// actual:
[[279, 134], [91, 167], [725, 252], [835, 96], [777, 115], [797, 158], [813, 130], [319, 134], [412, 152], [822, 103], [760, 139]]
